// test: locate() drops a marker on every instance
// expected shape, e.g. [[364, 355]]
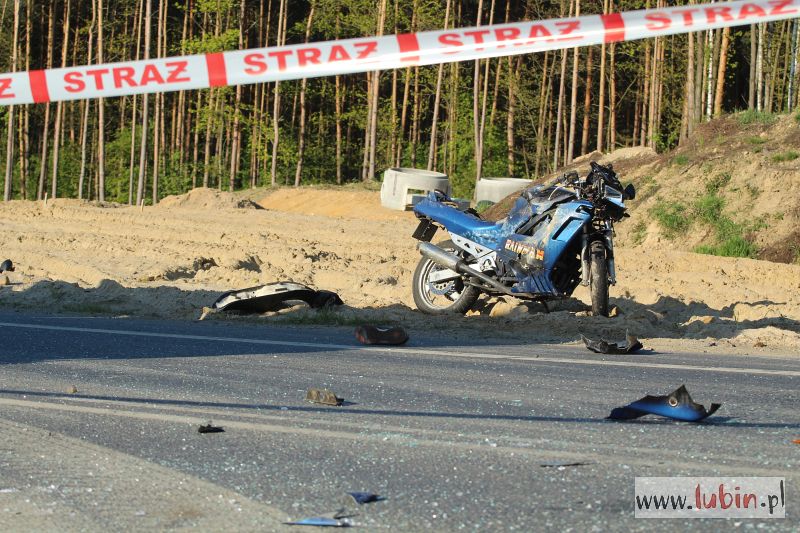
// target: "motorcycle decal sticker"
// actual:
[[522, 248]]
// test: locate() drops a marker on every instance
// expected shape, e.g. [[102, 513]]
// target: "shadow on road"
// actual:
[[157, 402]]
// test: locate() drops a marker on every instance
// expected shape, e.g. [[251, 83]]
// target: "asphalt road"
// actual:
[[452, 434]]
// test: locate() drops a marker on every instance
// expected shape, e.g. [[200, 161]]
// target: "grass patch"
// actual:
[[782, 157], [639, 232], [797, 117], [756, 140], [751, 116], [673, 218], [680, 159], [717, 183], [730, 238], [754, 191], [737, 246], [483, 205], [708, 208]]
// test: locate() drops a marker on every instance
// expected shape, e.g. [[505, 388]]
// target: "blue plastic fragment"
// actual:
[[366, 497], [321, 522], [677, 405]]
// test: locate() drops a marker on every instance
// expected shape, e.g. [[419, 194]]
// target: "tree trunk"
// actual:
[[276, 103], [560, 112], [437, 98], [723, 62], [301, 142], [751, 96], [573, 108], [587, 104], [60, 105], [485, 95], [46, 133], [145, 101], [10, 143], [101, 124], [760, 68], [236, 148], [476, 84], [601, 108], [513, 80]]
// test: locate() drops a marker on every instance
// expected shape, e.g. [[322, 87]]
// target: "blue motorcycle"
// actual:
[[555, 237]]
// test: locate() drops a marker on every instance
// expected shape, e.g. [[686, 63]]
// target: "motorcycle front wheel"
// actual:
[[439, 298], [599, 280]]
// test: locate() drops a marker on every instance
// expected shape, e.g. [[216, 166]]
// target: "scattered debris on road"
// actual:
[[323, 396], [630, 345], [361, 498], [208, 428], [677, 405], [72, 389], [562, 464], [393, 336], [273, 297], [6, 266]]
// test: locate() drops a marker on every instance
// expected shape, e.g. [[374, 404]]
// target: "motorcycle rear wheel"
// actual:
[[441, 298], [599, 280]]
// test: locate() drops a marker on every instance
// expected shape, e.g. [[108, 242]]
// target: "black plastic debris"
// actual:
[[677, 405], [393, 336], [561, 464], [208, 428], [274, 296], [361, 498], [321, 521], [630, 345], [323, 396], [6, 266]]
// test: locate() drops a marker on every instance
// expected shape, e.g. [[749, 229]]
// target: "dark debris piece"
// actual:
[[677, 405], [321, 521], [630, 345], [273, 297], [368, 334], [365, 497], [6, 266], [561, 464], [323, 396], [208, 428]]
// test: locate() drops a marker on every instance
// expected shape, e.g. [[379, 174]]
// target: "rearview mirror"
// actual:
[[630, 191]]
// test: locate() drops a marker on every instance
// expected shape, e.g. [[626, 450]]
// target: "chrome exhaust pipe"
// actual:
[[453, 262]]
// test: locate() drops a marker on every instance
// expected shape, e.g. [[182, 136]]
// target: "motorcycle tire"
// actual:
[[459, 299], [599, 280]]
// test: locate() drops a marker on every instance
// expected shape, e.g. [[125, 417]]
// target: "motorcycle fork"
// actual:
[[608, 234], [586, 263], [586, 253]]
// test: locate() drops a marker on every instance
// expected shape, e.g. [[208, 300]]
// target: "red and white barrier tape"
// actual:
[[377, 53]]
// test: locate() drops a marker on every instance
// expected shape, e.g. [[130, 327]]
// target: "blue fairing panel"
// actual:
[[489, 234]]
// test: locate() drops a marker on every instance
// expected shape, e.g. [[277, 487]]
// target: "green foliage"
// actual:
[[756, 140], [708, 208], [639, 232], [717, 183], [483, 205], [672, 217], [751, 116], [782, 157], [736, 246], [680, 159]]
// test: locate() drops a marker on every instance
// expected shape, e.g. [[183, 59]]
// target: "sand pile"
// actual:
[[204, 198]]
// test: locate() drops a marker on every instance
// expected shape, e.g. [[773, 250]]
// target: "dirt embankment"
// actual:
[[170, 262]]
